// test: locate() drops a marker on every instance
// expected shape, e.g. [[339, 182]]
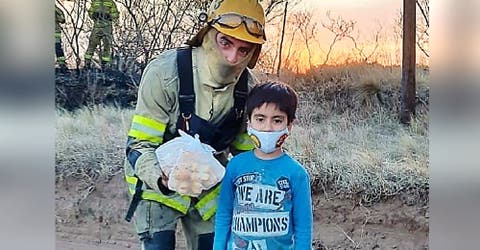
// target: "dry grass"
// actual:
[[369, 159], [347, 136], [90, 143]]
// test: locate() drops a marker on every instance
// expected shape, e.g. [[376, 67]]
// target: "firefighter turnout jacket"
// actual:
[[103, 12], [156, 120]]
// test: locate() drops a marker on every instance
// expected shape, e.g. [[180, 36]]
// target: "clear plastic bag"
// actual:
[[189, 165]]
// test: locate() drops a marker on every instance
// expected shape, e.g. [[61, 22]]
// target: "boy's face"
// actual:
[[268, 118]]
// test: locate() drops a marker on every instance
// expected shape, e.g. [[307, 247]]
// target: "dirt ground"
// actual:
[[92, 218]]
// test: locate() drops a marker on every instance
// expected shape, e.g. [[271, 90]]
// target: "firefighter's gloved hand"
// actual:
[[162, 183], [164, 180]]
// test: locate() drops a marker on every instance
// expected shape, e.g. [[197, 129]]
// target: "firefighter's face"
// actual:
[[232, 49]]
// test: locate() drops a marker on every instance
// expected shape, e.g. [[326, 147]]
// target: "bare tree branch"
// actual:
[[360, 48], [74, 31], [423, 25], [423, 6], [152, 26], [340, 29]]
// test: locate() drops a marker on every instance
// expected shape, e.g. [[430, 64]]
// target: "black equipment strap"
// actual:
[[241, 92], [187, 94], [137, 197]]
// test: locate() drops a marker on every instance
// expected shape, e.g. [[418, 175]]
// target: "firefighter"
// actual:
[[103, 13], [201, 89], [59, 19]]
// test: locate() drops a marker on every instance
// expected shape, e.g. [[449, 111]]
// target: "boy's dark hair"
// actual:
[[278, 93]]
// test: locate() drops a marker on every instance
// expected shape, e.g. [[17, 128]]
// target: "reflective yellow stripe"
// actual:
[[58, 35], [87, 56], [106, 58], [181, 203], [243, 142], [207, 206], [149, 122], [173, 203], [144, 128], [145, 137]]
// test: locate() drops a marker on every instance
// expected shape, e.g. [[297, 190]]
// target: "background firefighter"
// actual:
[[59, 19], [103, 13]]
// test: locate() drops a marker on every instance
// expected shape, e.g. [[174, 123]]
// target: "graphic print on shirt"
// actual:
[[260, 209], [241, 244]]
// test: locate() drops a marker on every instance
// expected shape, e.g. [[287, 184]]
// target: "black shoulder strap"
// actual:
[[241, 92], [185, 74], [187, 94]]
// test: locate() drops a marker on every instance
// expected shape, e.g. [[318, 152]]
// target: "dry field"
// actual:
[[369, 173]]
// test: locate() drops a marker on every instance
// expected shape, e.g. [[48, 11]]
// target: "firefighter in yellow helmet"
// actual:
[[103, 13], [59, 19], [201, 89]]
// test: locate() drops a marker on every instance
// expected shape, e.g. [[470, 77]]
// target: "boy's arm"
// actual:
[[302, 212], [223, 217]]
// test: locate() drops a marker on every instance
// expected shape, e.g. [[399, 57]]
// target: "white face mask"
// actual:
[[267, 142]]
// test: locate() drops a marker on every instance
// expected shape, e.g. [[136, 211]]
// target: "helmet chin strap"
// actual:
[[221, 71]]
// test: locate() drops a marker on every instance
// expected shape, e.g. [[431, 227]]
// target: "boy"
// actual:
[[265, 200]]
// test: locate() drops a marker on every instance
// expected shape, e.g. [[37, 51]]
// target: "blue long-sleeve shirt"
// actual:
[[264, 204]]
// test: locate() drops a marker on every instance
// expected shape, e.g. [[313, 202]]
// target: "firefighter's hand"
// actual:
[[162, 183], [164, 180]]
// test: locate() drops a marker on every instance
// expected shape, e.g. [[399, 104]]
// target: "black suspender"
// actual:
[[240, 94], [187, 94]]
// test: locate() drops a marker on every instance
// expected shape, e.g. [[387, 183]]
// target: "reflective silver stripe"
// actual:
[[180, 203], [207, 205], [147, 130], [212, 204]]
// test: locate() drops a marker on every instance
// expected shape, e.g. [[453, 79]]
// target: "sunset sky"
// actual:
[[367, 12], [369, 16]]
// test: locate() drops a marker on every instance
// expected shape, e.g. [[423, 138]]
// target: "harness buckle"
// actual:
[[186, 126], [238, 113]]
